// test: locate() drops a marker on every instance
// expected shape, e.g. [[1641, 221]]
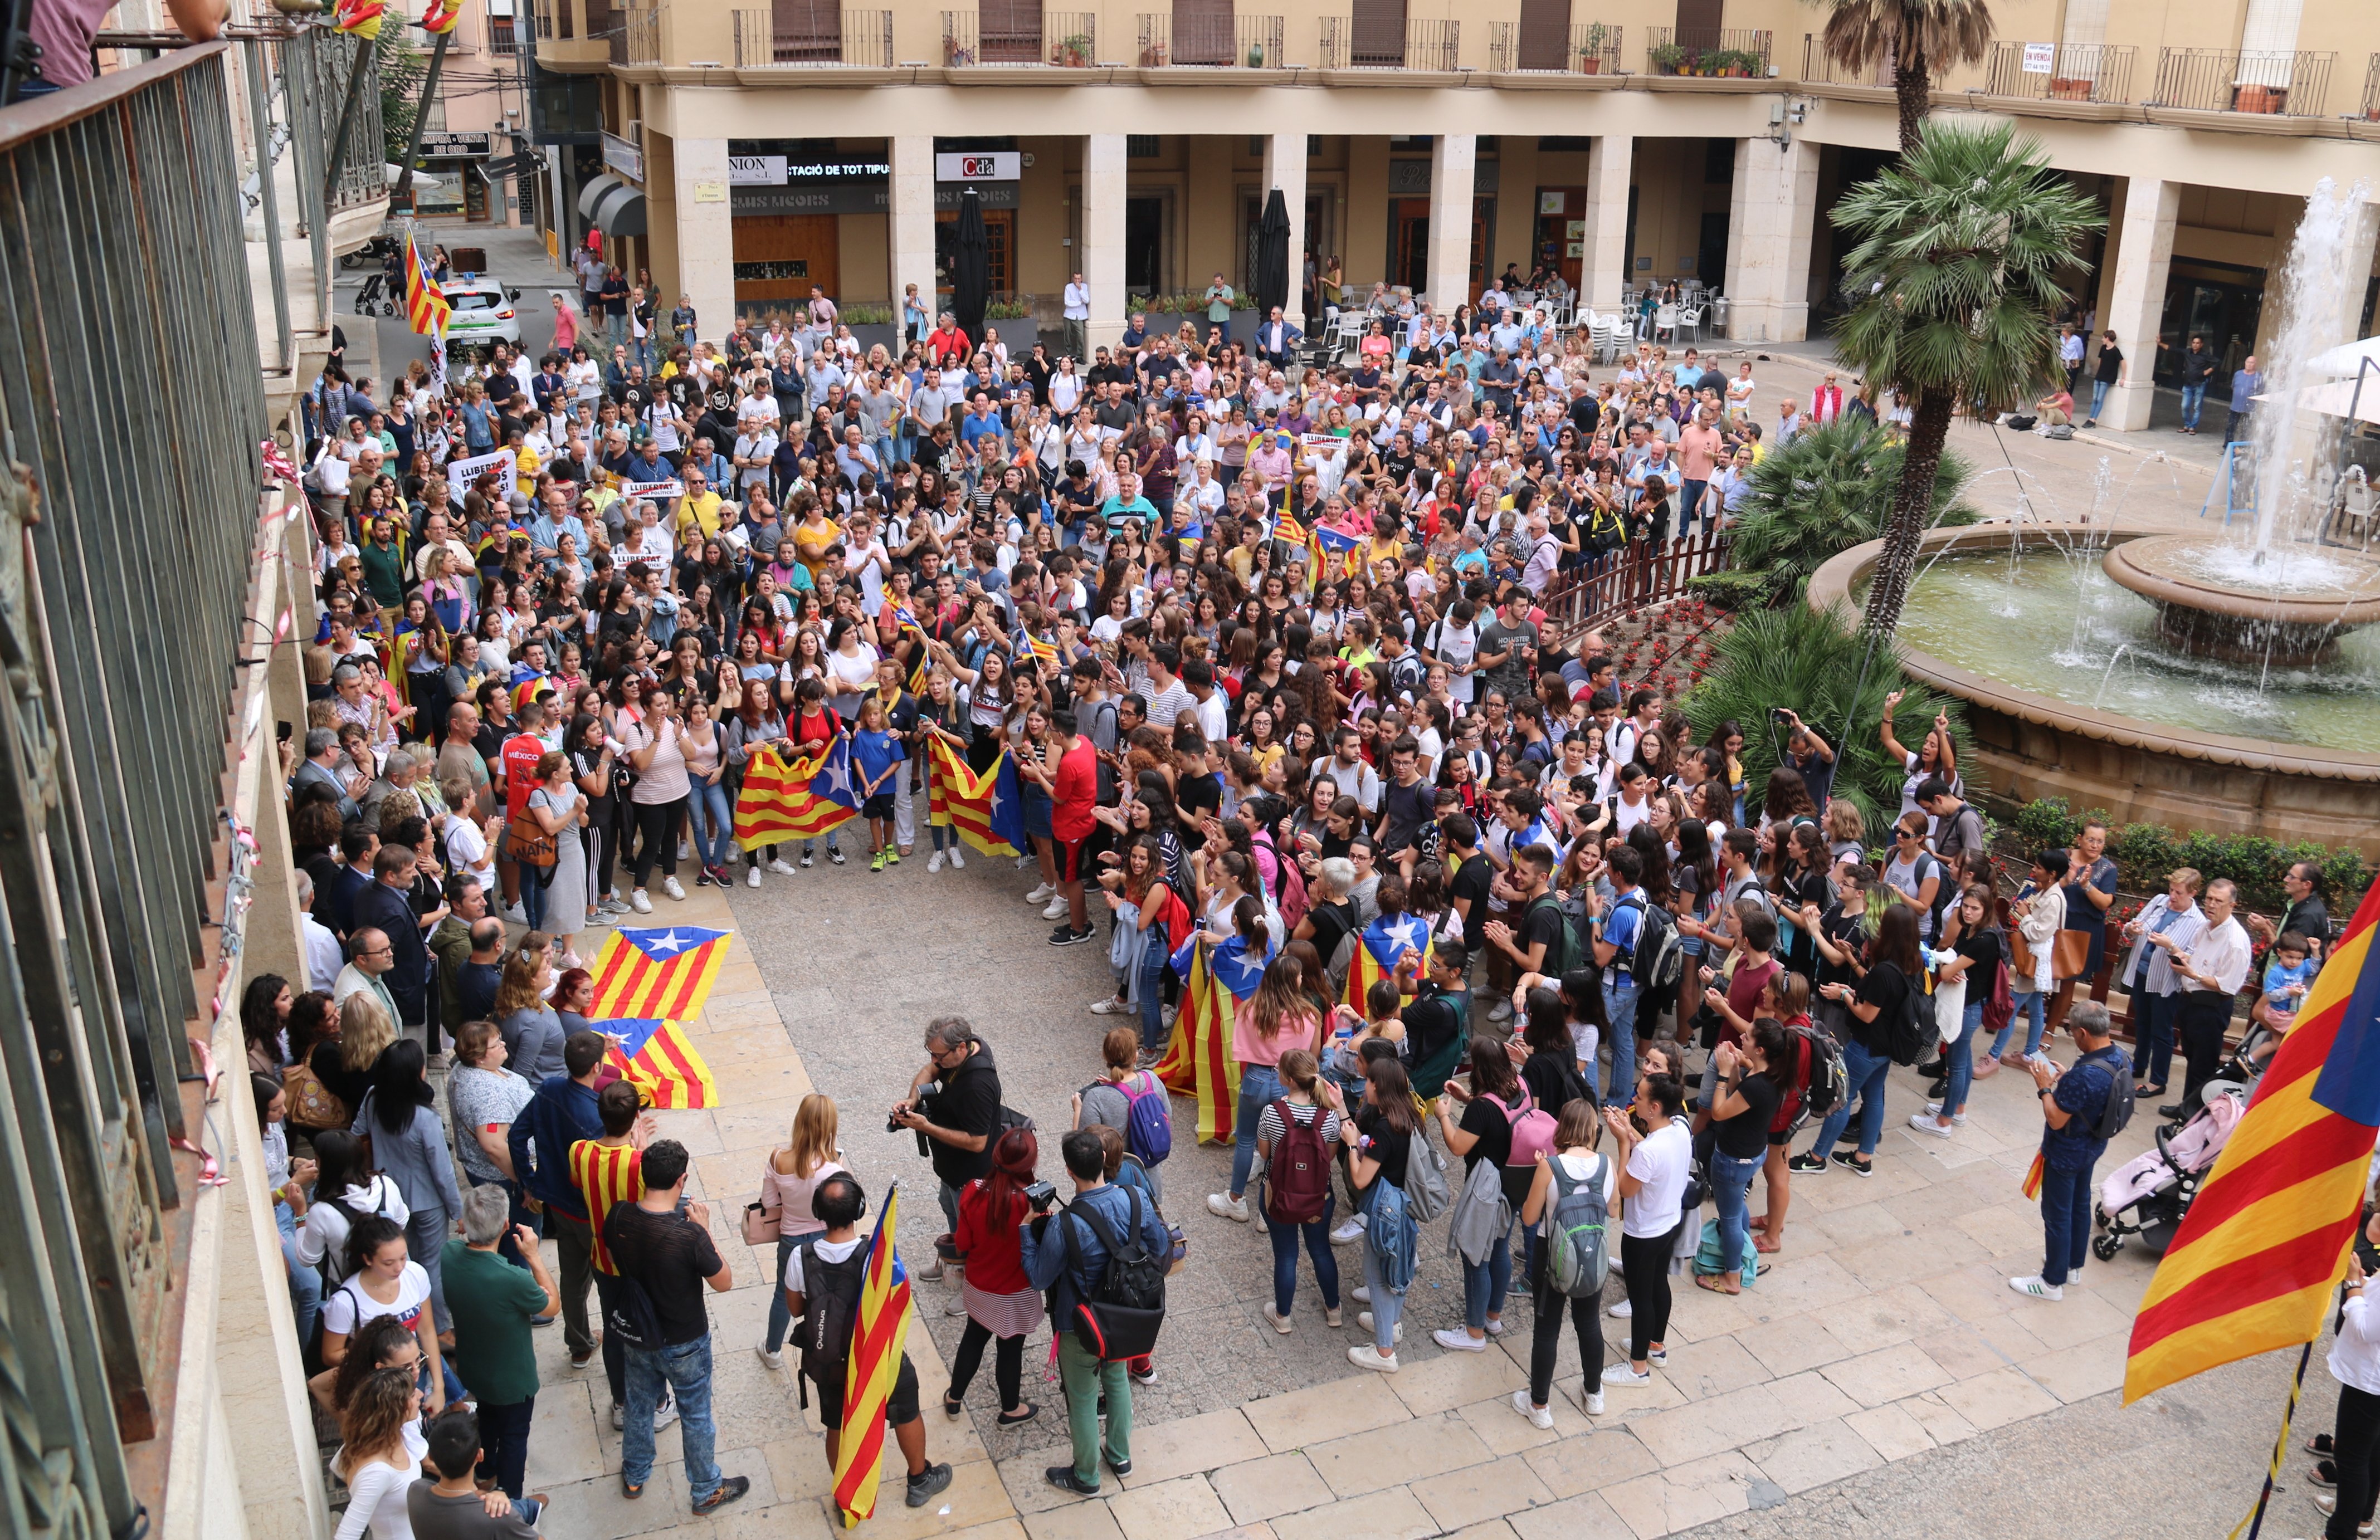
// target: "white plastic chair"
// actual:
[[1665, 320], [1691, 320], [1352, 324]]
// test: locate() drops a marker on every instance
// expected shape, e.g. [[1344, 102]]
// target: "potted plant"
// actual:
[[1074, 50], [1153, 56], [1255, 56], [956, 53], [1590, 52], [1668, 59]]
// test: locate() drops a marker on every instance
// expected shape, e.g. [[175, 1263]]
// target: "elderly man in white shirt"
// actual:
[[2212, 967], [326, 959]]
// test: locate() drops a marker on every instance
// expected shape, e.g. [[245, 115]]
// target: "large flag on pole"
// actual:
[[795, 799], [358, 17], [879, 1332], [656, 1058], [1198, 1061], [986, 808], [2254, 1262], [1378, 950], [657, 974], [426, 309], [440, 16]]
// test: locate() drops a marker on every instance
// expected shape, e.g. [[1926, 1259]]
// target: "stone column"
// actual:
[[1284, 167], [1770, 230], [911, 209], [706, 231], [1102, 258], [2143, 258], [1452, 162], [1605, 272]]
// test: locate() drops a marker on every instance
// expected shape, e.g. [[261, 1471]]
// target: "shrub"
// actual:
[[2145, 853], [1828, 491], [1795, 657], [1732, 589]]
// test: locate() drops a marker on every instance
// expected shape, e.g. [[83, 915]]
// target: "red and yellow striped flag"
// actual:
[[985, 808], [1198, 1061], [359, 17], [426, 309], [657, 974], [2253, 1264], [441, 16], [656, 1058], [879, 1332], [780, 803]]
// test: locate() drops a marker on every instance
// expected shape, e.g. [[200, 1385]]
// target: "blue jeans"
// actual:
[[2065, 1223], [1485, 1284], [714, 824], [536, 890], [503, 1444], [1731, 1190], [1864, 1077], [1387, 1307], [809, 847], [2153, 1045], [1961, 1056], [2030, 1006], [2192, 396], [1619, 1004], [685, 1370], [1317, 1234], [781, 1319], [305, 1282], [1153, 963], [2098, 396], [1260, 1087], [641, 351]]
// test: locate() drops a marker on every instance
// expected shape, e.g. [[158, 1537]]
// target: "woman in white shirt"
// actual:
[[850, 667], [380, 1456], [1576, 1165], [1654, 1167]]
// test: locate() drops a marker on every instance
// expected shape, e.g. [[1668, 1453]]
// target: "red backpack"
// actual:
[[1297, 1181]]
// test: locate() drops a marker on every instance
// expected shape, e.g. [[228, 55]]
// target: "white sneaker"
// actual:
[[1228, 1206], [1622, 1311], [1364, 1323], [958, 862], [1924, 1123], [1281, 1323], [1348, 1229], [1958, 1120], [515, 915], [779, 864], [665, 1415], [1503, 1012], [640, 903], [1624, 1373], [752, 876], [1041, 894], [670, 886], [774, 1360], [1110, 1006], [2037, 1288], [1594, 1404], [1361, 1294], [682, 852], [1459, 1341], [934, 862], [1539, 1416], [1056, 911], [1364, 1355]]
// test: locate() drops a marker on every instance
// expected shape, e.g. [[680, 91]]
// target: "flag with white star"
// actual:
[[985, 808], [1376, 951], [798, 798], [661, 975]]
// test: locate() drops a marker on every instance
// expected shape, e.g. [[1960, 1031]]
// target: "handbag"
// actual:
[[311, 1105], [2068, 950], [762, 1226], [527, 841]]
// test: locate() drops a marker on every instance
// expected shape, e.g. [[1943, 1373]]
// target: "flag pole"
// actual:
[[2254, 1523], [398, 194]]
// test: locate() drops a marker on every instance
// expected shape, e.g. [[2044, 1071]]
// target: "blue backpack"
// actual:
[[1149, 1131]]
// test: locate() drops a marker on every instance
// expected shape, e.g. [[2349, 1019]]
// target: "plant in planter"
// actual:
[[1669, 59], [1255, 56], [1590, 51], [956, 53], [1074, 50]]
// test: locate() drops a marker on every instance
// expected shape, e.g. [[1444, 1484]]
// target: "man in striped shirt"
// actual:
[[606, 1172]]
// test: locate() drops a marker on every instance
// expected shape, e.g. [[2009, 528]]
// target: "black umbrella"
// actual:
[[971, 274], [1273, 257]]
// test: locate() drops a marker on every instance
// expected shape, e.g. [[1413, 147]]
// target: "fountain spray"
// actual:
[[2317, 294]]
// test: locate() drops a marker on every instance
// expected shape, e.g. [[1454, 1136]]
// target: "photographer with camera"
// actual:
[[953, 1108], [1003, 1306], [1106, 1228]]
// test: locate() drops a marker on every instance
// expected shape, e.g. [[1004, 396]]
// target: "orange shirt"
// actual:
[[605, 1174]]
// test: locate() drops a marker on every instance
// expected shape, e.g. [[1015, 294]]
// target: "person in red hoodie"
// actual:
[[1003, 1306]]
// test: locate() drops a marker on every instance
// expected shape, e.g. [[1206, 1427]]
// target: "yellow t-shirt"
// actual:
[[702, 513], [604, 1175]]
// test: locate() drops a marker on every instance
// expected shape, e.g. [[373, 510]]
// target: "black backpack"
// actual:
[[2117, 1111], [1126, 1308], [1908, 1031], [1567, 947], [830, 1308]]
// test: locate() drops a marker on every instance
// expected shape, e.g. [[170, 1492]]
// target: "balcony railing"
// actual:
[[1591, 49], [1422, 45], [542, 17], [1243, 41], [1820, 68], [501, 37], [2372, 90], [314, 65], [639, 38], [2273, 83], [2068, 72], [1062, 39], [865, 41], [1712, 50]]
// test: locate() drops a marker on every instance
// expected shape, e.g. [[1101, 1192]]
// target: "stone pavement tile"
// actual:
[[1684, 1496], [2122, 1281], [1942, 1422], [760, 1042], [752, 1124], [1078, 1519], [972, 1498], [1793, 1344], [1584, 1517], [1715, 1368], [1240, 1531], [1964, 1352], [2003, 1396], [1886, 1375], [1405, 1451], [1460, 1498], [1001, 1529], [1702, 1428], [1494, 1529], [2011, 1336], [2006, 1230], [1505, 1431], [1321, 1413], [561, 1443], [2082, 1316], [1811, 1397], [1906, 1258], [1800, 1282], [1602, 1457], [1024, 1478], [1178, 1510], [1900, 1313], [1263, 1490], [1188, 1445], [1980, 1292], [1813, 1456], [1858, 1224], [1393, 1514], [1890, 1431], [1452, 1379], [597, 1507], [803, 1519], [2085, 1370]]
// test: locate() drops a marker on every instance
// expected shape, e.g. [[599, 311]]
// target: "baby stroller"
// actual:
[[2239, 1071], [373, 299], [2147, 1196]]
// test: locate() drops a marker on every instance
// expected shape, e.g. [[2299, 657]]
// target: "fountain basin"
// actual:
[[2291, 617], [2030, 744]]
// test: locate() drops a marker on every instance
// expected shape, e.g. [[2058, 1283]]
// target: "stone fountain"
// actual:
[[2214, 601]]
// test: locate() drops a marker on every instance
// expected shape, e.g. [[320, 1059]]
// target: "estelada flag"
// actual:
[[426, 307], [2253, 1264], [986, 808], [879, 1332], [1198, 1061], [655, 1057], [799, 798], [441, 15], [358, 17], [657, 974], [1378, 950]]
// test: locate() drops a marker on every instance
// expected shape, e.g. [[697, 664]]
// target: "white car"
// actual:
[[483, 314]]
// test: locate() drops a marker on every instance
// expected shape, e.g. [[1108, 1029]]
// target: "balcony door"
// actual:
[[1545, 34], [1009, 30], [1379, 34], [806, 32], [1698, 23], [1204, 32]]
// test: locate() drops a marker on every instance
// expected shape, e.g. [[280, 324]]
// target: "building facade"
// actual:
[[1432, 146]]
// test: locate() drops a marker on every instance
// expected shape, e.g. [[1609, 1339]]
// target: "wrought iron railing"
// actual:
[[503, 38], [2063, 72], [112, 747], [1638, 575], [2372, 90], [1591, 49], [638, 41], [1712, 50], [1422, 44], [2284, 83], [1064, 39], [315, 66], [1168, 39], [1820, 68], [865, 41], [1072, 38]]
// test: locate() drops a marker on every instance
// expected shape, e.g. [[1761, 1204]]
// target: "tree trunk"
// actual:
[[1912, 90], [1913, 510]]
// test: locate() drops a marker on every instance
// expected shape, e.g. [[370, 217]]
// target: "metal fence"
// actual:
[[638, 41], [2371, 104], [2270, 82], [865, 40], [1065, 39], [1732, 51], [1244, 42], [1346, 42], [1591, 49], [1586, 597], [316, 64], [1820, 68], [125, 555], [2068, 72]]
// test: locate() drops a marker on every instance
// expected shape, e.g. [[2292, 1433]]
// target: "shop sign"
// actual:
[[464, 145], [996, 166], [855, 198], [624, 156], [757, 171]]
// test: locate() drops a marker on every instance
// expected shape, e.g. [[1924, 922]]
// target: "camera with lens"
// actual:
[[1041, 1195]]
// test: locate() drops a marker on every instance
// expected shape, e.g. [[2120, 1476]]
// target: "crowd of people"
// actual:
[[566, 601]]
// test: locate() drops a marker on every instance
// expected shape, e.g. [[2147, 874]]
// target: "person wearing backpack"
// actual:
[[1972, 952], [1497, 1113], [1069, 1254], [2081, 1111], [1298, 1134], [1570, 1200], [1744, 1095], [1875, 1008], [1613, 930], [1002, 1307], [1386, 1124], [1131, 1100]]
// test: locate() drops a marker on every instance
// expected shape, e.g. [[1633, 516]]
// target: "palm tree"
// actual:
[[1961, 256], [1919, 39]]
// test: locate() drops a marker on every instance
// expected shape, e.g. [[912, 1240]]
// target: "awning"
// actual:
[[593, 193], [620, 212], [2338, 398], [2346, 359]]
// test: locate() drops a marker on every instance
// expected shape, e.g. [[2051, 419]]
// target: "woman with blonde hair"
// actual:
[[788, 1178], [531, 1027], [365, 1030]]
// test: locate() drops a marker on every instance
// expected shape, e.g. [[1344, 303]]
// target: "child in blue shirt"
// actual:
[[2287, 976], [877, 757]]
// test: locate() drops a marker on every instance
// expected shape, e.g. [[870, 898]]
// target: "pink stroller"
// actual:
[[2148, 1195]]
